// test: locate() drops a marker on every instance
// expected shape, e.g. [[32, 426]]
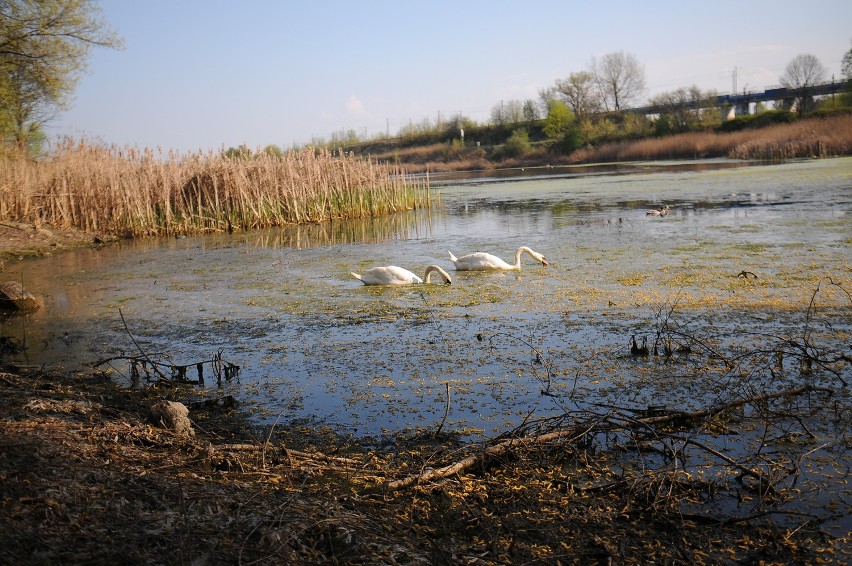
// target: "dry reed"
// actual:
[[131, 192], [815, 137]]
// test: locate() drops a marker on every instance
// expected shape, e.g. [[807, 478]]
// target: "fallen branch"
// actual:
[[579, 431], [489, 454]]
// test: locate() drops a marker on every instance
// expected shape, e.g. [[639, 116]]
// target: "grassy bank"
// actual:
[[138, 193], [812, 137]]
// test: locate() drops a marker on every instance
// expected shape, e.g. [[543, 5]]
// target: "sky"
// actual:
[[199, 75]]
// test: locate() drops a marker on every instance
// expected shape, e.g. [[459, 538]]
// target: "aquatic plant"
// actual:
[[132, 192]]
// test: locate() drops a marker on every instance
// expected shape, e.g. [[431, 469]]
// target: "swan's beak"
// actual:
[[544, 262], [449, 282]]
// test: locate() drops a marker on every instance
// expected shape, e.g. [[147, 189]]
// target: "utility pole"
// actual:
[[734, 86]]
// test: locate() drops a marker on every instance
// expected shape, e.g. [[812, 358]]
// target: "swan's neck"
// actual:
[[518, 253], [433, 269]]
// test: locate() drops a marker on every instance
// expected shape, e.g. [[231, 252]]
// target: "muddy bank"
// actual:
[[20, 241], [88, 478]]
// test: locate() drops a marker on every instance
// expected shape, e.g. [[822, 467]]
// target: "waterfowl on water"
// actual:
[[662, 211], [481, 261], [393, 275]]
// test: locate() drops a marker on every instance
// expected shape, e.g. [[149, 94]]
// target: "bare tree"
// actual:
[[681, 110], [803, 72], [508, 112], [846, 65], [620, 79], [531, 112], [580, 93]]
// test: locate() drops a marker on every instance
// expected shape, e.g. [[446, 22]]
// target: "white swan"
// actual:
[[393, 275], [481, 261]]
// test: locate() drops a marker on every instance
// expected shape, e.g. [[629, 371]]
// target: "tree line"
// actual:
[[594, 106], [45, 44]]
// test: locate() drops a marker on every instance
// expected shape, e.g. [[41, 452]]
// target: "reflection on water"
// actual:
[[281, 303], [575, 171], [371, 230], [316, 345]]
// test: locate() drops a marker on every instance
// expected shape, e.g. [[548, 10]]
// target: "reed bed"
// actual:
[[815, 137], [131, 192]]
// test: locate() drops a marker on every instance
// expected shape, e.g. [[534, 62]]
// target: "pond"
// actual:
[[741, 252], [743, 281]]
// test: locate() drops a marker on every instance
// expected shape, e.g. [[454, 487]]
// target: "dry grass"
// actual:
[[137, 193], [814, 137], [87, 479]]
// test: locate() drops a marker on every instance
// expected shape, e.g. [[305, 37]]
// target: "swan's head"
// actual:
[[435, 269], [540, 258]]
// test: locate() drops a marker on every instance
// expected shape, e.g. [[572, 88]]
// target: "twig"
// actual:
[[575, 432], [446, 411], [141, 351]]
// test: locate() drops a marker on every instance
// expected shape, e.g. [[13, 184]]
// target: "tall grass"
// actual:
[[815, 137], [132, 192], [810, 137]]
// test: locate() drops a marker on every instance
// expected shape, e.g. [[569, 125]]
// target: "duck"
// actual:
[[662, 211], [481, 261], [393, 275]]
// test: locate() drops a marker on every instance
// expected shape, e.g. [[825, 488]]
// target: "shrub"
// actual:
[[757, 120], [518, 144]]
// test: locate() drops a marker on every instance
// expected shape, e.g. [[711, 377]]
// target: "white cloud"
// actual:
[[355, 106]]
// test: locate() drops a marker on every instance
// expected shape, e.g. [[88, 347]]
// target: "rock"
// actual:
[[14, 297], [173, 416]]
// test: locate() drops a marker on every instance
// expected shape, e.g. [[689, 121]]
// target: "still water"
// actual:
[[315, 345]]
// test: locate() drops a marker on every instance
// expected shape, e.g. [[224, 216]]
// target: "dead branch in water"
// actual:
[[580, 430]]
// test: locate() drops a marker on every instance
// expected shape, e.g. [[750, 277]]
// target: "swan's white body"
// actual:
[[481, 261], [393, 275]]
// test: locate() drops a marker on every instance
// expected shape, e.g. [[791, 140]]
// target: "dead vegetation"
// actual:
[[87, 478], [813, 137], [130, 192]]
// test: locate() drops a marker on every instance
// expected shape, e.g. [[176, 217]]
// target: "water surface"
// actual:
[[315, 344]]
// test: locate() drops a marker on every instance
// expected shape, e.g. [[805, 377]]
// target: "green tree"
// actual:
[[560, 126], [559, 119], [518, 143], [44, 45]]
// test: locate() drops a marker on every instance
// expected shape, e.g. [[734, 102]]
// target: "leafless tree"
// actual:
[[508, 112], [620, 79], [802, 72], [681, 110], [580, 93]]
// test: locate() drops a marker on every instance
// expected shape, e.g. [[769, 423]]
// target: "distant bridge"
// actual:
[[740, 103]]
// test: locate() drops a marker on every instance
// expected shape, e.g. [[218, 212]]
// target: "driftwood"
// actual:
[[489, 453], [14, 297], [580, 430]]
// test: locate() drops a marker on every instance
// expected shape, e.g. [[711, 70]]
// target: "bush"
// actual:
[[571, 140], [518, 144], [757, 120]]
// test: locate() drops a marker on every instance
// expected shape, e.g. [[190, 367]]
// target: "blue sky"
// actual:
[[202, 74]]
